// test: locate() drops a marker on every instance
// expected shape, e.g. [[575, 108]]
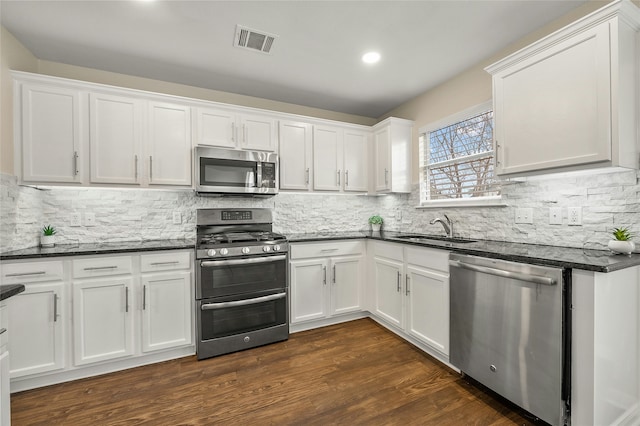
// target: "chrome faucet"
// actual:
[[448, 226]]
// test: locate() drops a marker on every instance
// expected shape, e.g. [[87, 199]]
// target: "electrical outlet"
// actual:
[[177, 218], [398, 215], [524, 215], [89, 219], [75, 219], [555, 216], [574, 216]]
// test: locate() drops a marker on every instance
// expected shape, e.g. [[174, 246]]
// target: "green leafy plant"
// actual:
[[48, 230], [376, 220], [622, 234]]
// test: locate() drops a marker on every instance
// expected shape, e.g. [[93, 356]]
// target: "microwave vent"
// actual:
[[255, 40]]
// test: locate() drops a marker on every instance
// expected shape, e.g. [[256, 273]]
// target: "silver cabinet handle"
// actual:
[[328, 250], [245, 133], [233, 132], [126, 299], [346, 178], [135, 165], [144, 297], [3, 330], [307, 176], [100, 268], [150, 168], [334, 274], [324, 280], [262, 299], [536, 279], [25, 274], [338, 177], [386, 176], [496, 153], [75, 163], [173, 262], [399, 278], [406, 289], [55, 307], [266, 259]]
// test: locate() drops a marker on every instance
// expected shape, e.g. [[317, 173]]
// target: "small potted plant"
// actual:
[[48, 237], [376, 222], [622, 242]]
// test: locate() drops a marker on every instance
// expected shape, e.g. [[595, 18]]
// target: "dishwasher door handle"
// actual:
[[537, 279]]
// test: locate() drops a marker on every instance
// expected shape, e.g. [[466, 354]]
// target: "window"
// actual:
[[456, 156]]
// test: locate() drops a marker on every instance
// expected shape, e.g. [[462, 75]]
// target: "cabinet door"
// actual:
[[5, 391], [428, 307], [166, 310], [382, 140], [308, 284], [295, 155], [115, 136], [388, 290], [258, 132], [51, 126], [327, 158], [169, 144], [554, 108], [215, 127], [346, 285], [103, 320], [37, 338], [355, 161]]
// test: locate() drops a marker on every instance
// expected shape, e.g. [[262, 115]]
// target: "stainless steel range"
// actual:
[[241, 282]]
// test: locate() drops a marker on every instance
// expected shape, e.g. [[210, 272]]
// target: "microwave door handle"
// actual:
[[259, 175]]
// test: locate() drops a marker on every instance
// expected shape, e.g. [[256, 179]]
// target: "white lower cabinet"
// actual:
[[5, 397], [411, 291], [326, 279], [103, 320]]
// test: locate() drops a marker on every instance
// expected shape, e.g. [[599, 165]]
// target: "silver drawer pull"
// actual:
[[331, 249], [173, 262], [222, 305], [25, 274], [99, 268], [3, 330]]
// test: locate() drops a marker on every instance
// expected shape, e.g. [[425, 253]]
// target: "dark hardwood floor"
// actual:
[[349, 374]]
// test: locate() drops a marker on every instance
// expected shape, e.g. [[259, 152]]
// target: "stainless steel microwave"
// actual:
[[221, 171]]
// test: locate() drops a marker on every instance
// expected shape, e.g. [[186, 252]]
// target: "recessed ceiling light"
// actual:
[[370, 57]]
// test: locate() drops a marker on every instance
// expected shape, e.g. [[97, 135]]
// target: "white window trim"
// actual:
[[492, 201]]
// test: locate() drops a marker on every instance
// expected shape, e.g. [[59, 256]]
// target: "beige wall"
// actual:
[[13, 56], [473, 86]]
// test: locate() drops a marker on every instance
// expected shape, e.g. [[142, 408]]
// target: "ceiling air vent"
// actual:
[[254, 40]]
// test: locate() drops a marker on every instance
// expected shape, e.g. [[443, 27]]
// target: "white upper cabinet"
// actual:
[[115, 135], [169, 145], [50, 130], [295, 155], [568, 101], [392, 159], [233, 129], [356, 147]]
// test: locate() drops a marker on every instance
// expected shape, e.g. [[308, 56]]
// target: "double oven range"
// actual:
[[241, 281]]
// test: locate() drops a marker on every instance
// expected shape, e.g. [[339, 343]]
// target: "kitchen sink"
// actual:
[[426, 238]]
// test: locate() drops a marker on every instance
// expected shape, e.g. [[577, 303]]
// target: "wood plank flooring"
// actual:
[[356, 373]]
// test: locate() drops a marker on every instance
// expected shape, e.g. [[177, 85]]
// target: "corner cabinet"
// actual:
[[392, 155], [569, 101]]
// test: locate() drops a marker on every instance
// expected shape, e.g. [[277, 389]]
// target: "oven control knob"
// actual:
[[266, 249], [224, 251], [276, 248], [245, 250], [211, 252]]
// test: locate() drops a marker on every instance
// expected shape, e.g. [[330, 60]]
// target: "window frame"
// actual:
[[423, 132]]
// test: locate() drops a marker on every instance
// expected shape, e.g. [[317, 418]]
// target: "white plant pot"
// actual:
[[375, 227], [626, 247], [47, 240]]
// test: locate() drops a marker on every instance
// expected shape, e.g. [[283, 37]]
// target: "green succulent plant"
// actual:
[[376, 220], [48, 230], [622, 234]]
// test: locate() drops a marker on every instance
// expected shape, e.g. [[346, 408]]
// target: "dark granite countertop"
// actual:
[[565, 257], [8, 290], [98, 248]]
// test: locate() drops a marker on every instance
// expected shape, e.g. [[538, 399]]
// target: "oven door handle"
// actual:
[[265, 259], [261, 299]]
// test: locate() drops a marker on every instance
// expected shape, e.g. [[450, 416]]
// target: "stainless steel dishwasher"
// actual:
[[510, 331]]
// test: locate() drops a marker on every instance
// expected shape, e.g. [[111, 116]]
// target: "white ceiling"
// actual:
[[314, 62]]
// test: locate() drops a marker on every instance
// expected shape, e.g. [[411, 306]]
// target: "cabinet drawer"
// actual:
[[326, 249], [429, 258], [165, 261], [388, 250], [101, 266], [29, 272]]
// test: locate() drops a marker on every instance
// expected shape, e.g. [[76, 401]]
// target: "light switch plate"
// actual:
[[89, 219], [555, 216]]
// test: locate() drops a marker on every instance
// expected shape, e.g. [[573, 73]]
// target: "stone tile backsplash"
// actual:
[[608, 200]]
